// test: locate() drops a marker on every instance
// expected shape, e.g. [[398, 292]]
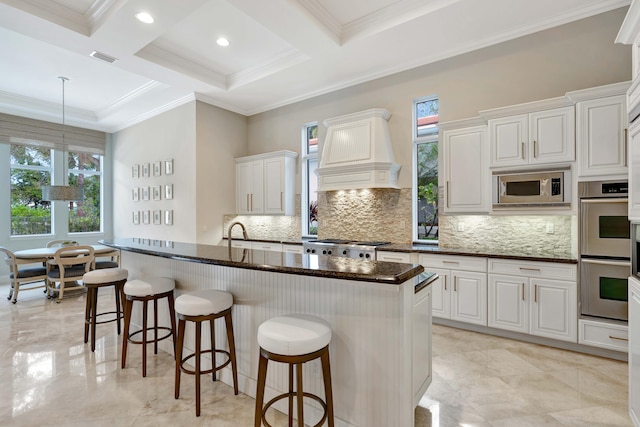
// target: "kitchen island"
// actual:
[[379, 312]]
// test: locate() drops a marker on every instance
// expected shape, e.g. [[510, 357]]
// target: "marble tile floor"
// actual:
[[48, 377]]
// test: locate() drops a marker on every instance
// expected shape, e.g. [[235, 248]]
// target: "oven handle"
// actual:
[[606, 200], [606, 262]]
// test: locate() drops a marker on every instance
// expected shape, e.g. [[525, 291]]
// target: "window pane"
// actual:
[[29, 213], [427, 182], [312, 139], [30, 156], [427, 117], [312, 185], [84, 215], [84, 161]]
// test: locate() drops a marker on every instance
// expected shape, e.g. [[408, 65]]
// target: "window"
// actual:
[[425, 154], [30, 170], [85, 169], [309, 179]]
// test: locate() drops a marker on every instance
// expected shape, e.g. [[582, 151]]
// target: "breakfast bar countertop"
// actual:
[[309, 265]]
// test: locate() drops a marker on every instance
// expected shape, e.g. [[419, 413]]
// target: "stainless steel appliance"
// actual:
[[343, 248], [605, 249], [537, 188]]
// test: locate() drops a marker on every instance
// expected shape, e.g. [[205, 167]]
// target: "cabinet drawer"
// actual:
[[244, 244], [605, 335], [394, 257], [454, 262], [547, 270], [292, 249], [265, 246]]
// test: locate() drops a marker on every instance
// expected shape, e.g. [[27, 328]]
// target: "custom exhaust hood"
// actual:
[[357, 153]]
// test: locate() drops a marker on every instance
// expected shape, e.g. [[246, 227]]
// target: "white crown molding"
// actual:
[[217, 103], [391, 16], [99, 10], [527, 107], [321, 15], [34, 108], [278, 63], [630, 26], [53, 12], [110, 109], [599, 92], [180, 64], [152, 113]]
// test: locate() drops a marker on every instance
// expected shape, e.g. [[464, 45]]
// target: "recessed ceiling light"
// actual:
[[222, 42], [144, 17]]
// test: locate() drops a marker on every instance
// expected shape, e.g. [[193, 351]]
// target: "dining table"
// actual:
[[47, 253]]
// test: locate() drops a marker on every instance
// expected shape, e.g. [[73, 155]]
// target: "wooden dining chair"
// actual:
[[35, 277], [107, 260], [66, 269]]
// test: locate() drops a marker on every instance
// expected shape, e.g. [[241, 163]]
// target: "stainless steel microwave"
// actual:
[[532, 189]]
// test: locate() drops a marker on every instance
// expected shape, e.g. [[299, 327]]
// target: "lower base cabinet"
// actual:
[[532, 303], [458, 294]]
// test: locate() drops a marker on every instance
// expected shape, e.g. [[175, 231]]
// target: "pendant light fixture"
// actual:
[[63, 192]]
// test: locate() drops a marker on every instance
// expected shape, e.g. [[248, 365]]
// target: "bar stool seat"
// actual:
[[145, 290], [198, 307], [93, 280], [294, 339]]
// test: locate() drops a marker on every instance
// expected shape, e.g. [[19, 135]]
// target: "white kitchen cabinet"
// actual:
[[533, 297], [242, 244], [267, 246], [404, 257], [634, 171], [292, 249], [265, 183], [596, 333], [466, 170], [460, 293], [602, 137], [634, 351], [533, 139]]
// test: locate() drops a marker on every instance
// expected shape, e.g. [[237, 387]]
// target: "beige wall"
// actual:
[[543, 65], [202, 140], [221, 136], [170, 135]]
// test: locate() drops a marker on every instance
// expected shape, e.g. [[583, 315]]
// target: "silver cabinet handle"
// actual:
[[445, 282], [450, 262], [455, 284], [281, 200], [447, 191], [247, 202], [626, 146], [535, 149], [530, 269], [251, 199], [523, 151], [535, 293], [618, 338], [523, 291]]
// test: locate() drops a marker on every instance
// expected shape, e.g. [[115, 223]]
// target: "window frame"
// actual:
[[89, 172], [304, 193], [416, 141]]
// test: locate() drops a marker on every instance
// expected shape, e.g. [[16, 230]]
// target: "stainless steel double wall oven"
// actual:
[[605, 249]]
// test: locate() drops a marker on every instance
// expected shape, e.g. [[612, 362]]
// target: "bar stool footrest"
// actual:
[[208, 371], [120, 316], [295, 394], [151, 341]]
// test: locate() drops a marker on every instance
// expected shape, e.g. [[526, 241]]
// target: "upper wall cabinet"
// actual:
[[466, 171], [265, 183], [532, 134], [601, 131]]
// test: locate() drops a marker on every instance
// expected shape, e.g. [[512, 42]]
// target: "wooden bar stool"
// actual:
[[94, 280], [294, 339], [198, 307], [145, 290]]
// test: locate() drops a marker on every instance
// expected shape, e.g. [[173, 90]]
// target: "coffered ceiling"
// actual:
[[281, 51]]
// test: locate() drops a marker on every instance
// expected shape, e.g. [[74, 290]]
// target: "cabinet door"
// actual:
[[552, 136], [274, 186], [508, 305], [256, 197], [243, 187], [394, 257], [634, 171], [601, 136], [292, 249], [469, 297], [554, 309], [509, 138], [466, 170], [441, 294]]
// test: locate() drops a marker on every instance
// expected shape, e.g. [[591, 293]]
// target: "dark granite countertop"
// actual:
[[280, 262], [434, 249]]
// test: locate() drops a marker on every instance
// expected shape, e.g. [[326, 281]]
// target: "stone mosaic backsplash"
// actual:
[[385, 215], [536, 235]]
